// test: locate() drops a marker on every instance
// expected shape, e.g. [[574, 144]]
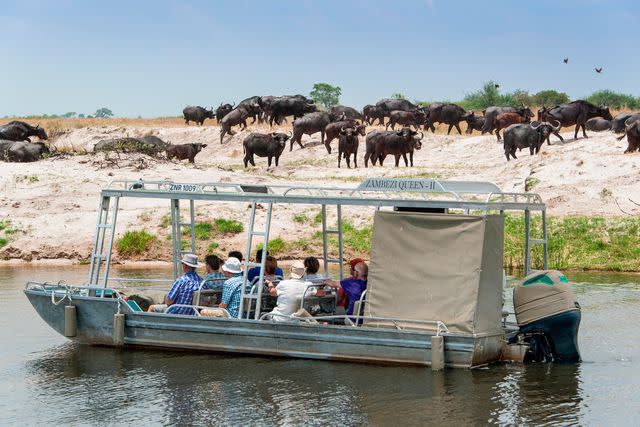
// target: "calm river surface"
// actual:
[[44, 379]]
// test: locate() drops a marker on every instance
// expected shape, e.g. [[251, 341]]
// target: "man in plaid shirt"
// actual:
[[231, 289], [182, 290]]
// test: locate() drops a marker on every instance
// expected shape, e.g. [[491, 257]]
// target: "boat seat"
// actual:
[[134, 305], [207, 297], [214, 312], [320, 306]]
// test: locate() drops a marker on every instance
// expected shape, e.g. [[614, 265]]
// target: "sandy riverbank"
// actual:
[[52, 203]]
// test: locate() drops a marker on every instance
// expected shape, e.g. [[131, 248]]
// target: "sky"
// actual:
[[152, 58]]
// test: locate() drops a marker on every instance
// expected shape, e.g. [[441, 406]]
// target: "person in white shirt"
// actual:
[[289, 293]]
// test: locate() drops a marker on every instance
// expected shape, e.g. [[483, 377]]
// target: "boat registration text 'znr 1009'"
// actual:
[[189, 188]]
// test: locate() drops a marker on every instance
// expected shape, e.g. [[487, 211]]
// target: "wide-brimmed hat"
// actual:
[[191, 260], [232, 265], [298, 270]]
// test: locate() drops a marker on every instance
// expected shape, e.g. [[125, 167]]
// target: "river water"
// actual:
[[44, 379]]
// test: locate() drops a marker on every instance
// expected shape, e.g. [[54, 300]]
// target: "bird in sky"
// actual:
[[598, 70], [497, 86], [566, 60]]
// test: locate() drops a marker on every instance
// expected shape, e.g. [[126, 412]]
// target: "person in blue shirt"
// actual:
[[255, 271], [231, 289], [213, 278], [182, 290]]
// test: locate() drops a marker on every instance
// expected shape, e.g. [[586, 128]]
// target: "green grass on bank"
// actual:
[[575, 243], [578, 243], [134, 243]]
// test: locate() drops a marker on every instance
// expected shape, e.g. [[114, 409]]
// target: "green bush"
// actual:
[[300, 218], [228, 226], [613, 99], [203, 230], [3, 242], [275, 246], [134, 243], [550, 98], [488, 96]]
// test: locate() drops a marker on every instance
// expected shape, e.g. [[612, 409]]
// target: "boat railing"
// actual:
[[440, 327], [461, 194]]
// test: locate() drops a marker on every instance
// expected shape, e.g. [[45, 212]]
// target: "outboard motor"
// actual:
[[548, 315]]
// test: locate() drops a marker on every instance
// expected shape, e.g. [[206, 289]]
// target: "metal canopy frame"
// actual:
[[466, 196]]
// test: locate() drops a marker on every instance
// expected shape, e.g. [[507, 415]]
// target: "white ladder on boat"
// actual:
[[326, 232], [528, 241], [99, 252], [251, 233], [176, 234]]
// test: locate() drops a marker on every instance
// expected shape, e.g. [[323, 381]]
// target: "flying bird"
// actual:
[[497, 86], [566, 60], [598, 70]]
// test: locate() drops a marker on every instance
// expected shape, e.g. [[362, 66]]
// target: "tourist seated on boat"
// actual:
[[289, 293], [182, 290], [350, 289], [231, 289], [352, 266], [312, 265], [236, 254], [212, 280], [255, 271]]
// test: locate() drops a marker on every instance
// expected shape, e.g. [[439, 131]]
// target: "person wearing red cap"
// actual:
[[350, 289], [352, 266]]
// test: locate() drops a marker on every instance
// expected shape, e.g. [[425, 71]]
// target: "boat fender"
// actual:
[[118, 329], [70, 321], [437, 353]]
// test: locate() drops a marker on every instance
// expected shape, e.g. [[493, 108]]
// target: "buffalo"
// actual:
[[311, 123], [197, 114], [21, 131], [398, 143], [632, 132], [491, 113], [184, 151], [238, 116], [349, 113], [22, 151], [371, 113], [474, 123], [389, 105], [332, 131], [348, 145], [223, 110], [598, 124], [413, 118], [618, 122], [264, 145], [505, 120], [450, 114], [252, 105], [532, 135], [574, 113], [284, 106]]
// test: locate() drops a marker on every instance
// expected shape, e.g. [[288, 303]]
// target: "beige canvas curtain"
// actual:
[[436, 267]]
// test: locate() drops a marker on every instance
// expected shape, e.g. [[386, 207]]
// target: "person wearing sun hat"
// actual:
[[231, 289], [182, 289], [289, 292]]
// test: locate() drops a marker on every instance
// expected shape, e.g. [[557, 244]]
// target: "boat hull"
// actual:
[[95, 325]]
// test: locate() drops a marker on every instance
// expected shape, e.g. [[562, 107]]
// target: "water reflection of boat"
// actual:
[[439, 306]]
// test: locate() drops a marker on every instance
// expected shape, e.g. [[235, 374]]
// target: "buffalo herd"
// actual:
[[347, 125]]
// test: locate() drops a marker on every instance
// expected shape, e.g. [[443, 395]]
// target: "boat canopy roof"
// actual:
[[377, 192]]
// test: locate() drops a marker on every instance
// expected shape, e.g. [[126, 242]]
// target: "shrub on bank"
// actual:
[[134, 243]]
